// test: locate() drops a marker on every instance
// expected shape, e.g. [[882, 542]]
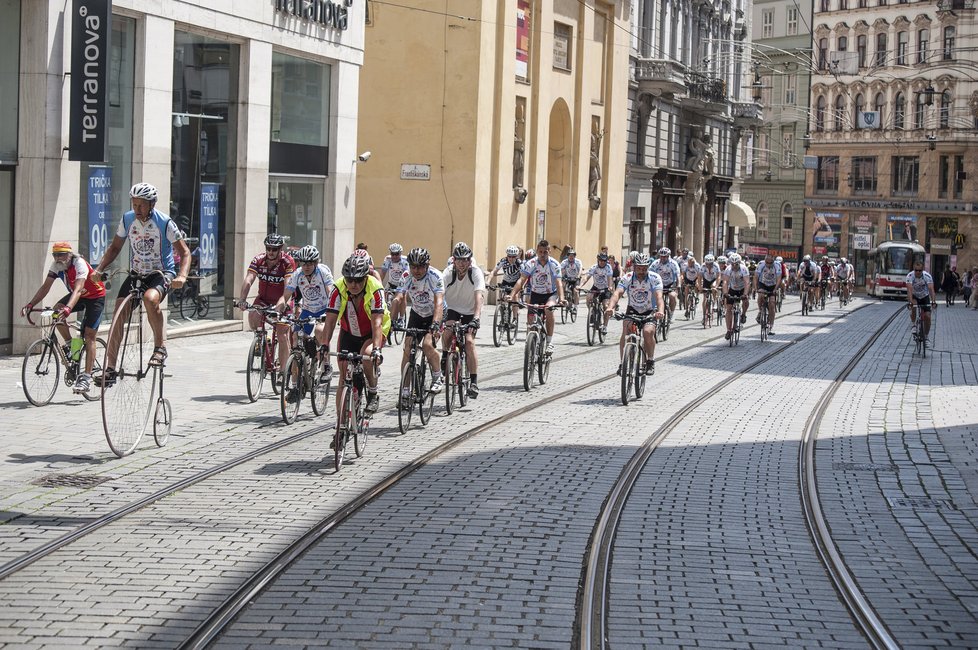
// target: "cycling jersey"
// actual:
[[691, 272], [808, 271], [843, 271], [768, 274], [542, 275], [150, 243], [395, 270], [736, 278], [641, 293], [315, 289], [75, 269], [918, 286], [355, 315], [423, 291], [710, 272], [460, 291], [570, 270], [668, 271], [602, 276], [271, 281], [511, 271]]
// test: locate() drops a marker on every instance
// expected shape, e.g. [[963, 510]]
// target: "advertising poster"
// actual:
[[522, 39], [827, 233], [99, 212], [901, 227], [208, 227]]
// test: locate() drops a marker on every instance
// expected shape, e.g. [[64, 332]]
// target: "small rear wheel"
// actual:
[[94, 395], [162, 421]]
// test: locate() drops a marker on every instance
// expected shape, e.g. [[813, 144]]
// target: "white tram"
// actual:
[[888, 266]]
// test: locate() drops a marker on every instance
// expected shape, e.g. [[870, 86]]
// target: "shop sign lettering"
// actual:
[[324, 12], [90, 24]]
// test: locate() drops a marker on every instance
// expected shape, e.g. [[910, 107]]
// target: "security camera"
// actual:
[[364, 157]]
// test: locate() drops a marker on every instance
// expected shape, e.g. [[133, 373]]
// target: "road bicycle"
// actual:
[[595, 320], [917, 331], [736, 308], [633, 356], [504, 321], [844, 289], [192, 305], [536, 361], [415, 383], [306, 371], [763, 312], [128, 386], [396, 334], [568, 311], [690, 300], [822, 295], [779, 298], [44, 358], [353, 421], [455, 366], [662, 328], [262, 358], [806, 299]]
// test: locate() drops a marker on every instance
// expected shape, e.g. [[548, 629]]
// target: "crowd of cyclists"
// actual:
[[366, 300]]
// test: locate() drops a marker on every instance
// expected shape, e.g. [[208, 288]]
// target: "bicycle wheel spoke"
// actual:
[[128, 404], [40, 372]]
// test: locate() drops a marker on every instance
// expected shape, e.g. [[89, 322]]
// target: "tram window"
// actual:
[[898, 261]]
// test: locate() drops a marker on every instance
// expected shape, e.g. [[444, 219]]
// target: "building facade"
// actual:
[[773, 157], [243, 114], [894, 130], [689, 112], [494, 123]]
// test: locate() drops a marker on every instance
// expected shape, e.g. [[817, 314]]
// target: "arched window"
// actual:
[[823, 53], [820, 114], [840, 112], [787, 224], [918, 111], [900, 112], [878, 105], [881, 49], [923, 36], [903, 46], [861, 50], [842, 44], [945, 114], [858, 107]]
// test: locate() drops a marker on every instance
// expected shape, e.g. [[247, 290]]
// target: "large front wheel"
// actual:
[[497, 326], [543, 364], [128, 403], [344, 428], [291, 393], [255, 367], [320, 387], [422, 388], [529, 360], [592, 327], [40, 372], [639, 371]]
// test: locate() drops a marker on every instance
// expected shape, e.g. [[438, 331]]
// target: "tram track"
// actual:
[[46, 549], [211, 628], [594, 595]]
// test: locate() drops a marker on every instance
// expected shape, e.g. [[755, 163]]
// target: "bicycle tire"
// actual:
[[543, 363], [127, 405], [573, 313], [591, 328], [398, 336], [497, 327], [255, 367], [563, 315], [203, 306], [449, 373], [188, 305], [319, 395], [512, 327], [639, 387], [462, 372], [162, 421], [529, 360], [37, 380], [665, 324], [406, 410], [627, 372], [291, 381], [362, 427], [347, 420], [426, 399]]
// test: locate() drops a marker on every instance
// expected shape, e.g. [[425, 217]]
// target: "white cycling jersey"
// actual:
[[394, 270], [920, 286], [570, 270], [315, 288], [844, 271], [542, 276], [736, 278], [668, 271], [768, 274], [641, 293], [691, 272], [710, 272], [602, 276], [422, 292]]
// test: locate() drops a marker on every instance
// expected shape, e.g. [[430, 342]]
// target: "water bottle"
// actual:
[[77, 343]]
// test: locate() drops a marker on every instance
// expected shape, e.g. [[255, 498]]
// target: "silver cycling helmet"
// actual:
[[664, 252], [306, 254], [144, 191], [734, 258], [396, 249], [462, 251], [512, 251], [356, 267], [709, 259], [641, 259], [418, 257]]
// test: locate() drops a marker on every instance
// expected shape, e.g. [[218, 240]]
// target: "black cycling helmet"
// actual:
[[462, 250], [418, 257], [602, 256], [355, 267], [275, 240]]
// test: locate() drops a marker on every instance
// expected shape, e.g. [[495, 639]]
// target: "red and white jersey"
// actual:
[[271, 280], [72, 271]]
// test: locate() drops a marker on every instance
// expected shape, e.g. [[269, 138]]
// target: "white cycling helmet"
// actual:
[[734, 258], [722, 259], [144, 191], [512, 251], [808, 258], [779, 259], [664, 252], [396, 248], [709, 259]]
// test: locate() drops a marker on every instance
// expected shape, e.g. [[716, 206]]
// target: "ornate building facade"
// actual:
[[690, 109]]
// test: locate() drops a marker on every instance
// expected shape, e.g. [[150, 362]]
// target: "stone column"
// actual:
[[341, 189], [153, 106], [699, 220]]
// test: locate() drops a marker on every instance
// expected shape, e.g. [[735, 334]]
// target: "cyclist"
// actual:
[[85, 293], [784, 276], [708, 275], [668, 270], [845, 274], [391, 272], [690, 272], [920, 291], [542, 274], [826, 273], [736, 279], [425, 287], [602, 275], [570, 274], [808, 275], [722, 263], [509, 266], [313, 282], [361, 251], [357, 302], [272, 269], [644, 291], [465, 293], [767, 281], [153, 240]]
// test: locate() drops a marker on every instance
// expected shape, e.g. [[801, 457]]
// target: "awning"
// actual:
[[740, 215]]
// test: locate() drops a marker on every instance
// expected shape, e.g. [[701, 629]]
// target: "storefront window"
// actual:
[[105, 186], [205, 73], [295, 210], [9, 99], [6, 254]]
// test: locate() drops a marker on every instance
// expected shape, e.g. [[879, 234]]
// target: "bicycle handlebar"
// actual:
[[636, 318], [44, 311], [537, 308], [355, 357], [265, 311], [414, 332]]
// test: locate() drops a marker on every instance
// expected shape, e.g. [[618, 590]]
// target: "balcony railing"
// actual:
[[706, 89], [746, 113], [660, 76], [955, 5]]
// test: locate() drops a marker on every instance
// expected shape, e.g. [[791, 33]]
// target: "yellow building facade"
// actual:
[[494, 123]]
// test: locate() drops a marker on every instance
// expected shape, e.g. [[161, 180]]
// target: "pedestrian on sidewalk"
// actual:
[[949, 285], [974, 287], [967, 286]]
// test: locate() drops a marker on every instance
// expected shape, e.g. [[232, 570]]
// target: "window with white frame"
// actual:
[[767, 23], [792, 24]]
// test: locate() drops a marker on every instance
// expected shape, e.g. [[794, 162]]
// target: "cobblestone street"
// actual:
[[483, 544]]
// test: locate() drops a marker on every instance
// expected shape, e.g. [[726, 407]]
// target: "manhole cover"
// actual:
[[864, 467], [70, 480], [921, 503]]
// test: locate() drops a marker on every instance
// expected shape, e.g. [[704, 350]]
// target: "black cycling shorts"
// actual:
[[417, 321], [734, 295], [767, 288], [158, 281], [541, 298], [93, 310], [923, 303], [350, 343], [601, 294], [451, 316]]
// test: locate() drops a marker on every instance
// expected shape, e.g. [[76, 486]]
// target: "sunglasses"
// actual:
[[273, 249], [355, 280]]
